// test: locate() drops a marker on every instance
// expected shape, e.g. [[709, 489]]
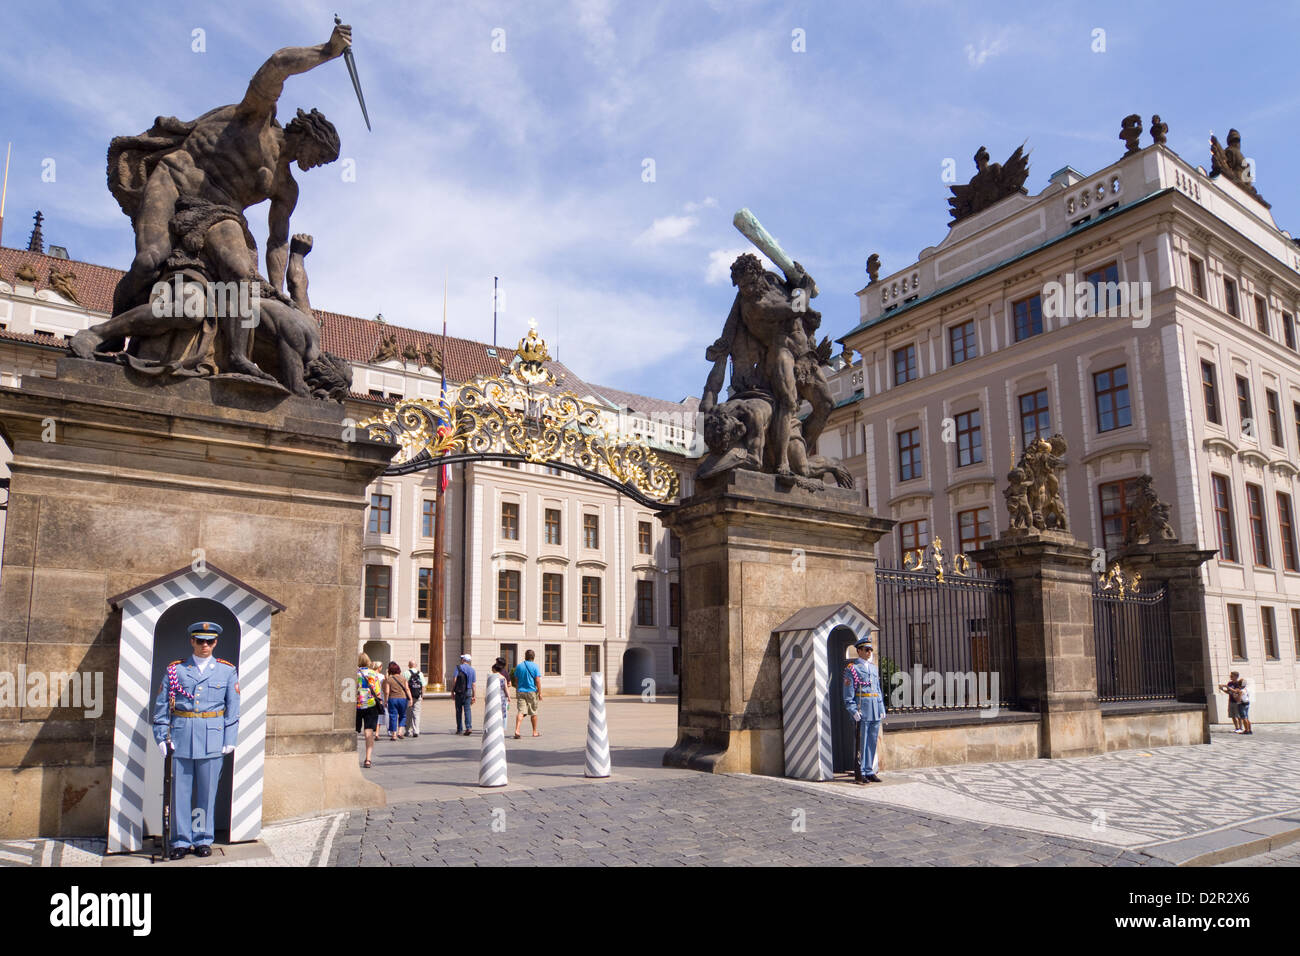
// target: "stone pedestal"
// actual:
[[1178, 567], [1056, 660], [114, 485], [752, 554]]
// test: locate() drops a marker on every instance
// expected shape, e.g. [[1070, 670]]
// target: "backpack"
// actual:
[[365, 690], [416, 685], [460, 687]]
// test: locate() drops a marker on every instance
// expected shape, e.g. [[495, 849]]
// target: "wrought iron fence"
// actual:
[[1135, 650], [951, 635]]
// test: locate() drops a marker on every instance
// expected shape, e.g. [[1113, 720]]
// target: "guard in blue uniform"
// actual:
[[863, 698], [198, 704]]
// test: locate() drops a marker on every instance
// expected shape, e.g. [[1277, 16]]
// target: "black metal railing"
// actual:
[[960, 628], [1135, 649]]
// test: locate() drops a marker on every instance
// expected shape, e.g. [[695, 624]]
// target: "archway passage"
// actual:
[[839, 645], [172, 643], [638, 666]]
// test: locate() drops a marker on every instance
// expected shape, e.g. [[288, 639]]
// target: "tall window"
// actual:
[[961, 342], [1230, 298], [553, 526], [644, 544], [551, 653], [1236, 632], [1258, 530], [970, 443], [1261, 314], [913, 535], [674, 604], [591, 531], [674, 545], [422, 594], [1274, 418], [379, 580], [1117, 499], [1035, 417], [1223, 518], [427, 510], [552, 598], [1210, 388], [1295, 414], [590, 600], [1268, 624], [909, 454], [508, 595], [974, 528], [1288, 330], [510, 520], [1106, 289], [1028, 316], [645, 603], [904, 364], [1286, 524], [590, 659], [1111, 389], [381, 514], [1244, 410], [1295, 631], [1198, 277]]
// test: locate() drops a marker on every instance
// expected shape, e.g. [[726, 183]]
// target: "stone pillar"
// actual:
[[114, 484], [1056, 659], [752, 554], [1178, 568]]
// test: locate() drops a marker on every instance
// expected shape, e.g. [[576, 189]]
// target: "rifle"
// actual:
[[167, 801], [857, 748]]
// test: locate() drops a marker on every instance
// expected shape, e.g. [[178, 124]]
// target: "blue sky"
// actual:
[[528, 164]]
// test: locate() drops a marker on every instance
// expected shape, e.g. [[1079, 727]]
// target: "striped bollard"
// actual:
[[597, 732], [492, 761]]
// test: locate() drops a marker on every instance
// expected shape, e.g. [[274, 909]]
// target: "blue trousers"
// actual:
[[870, 729], [194, 805], [464, 714], [396, 713]]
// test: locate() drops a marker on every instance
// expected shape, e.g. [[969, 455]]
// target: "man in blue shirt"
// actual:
[[464, 691], [528, 687]]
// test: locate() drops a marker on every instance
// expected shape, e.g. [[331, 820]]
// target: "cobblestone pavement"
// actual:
[[701, 820]]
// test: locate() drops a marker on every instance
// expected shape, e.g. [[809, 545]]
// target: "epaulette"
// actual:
[[220, 660], [173, 663]]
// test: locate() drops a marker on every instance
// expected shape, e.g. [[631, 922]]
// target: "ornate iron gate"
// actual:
[[1134, 642], [949, 632]]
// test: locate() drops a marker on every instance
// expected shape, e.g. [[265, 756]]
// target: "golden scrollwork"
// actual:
[[932, 559], [507, 416], [1120, 581]]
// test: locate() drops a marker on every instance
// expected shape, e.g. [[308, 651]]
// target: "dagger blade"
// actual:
[[356, 80]]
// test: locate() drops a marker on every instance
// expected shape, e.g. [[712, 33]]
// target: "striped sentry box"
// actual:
[[807, 695], [133, 725], [492, 758], [597, 731]]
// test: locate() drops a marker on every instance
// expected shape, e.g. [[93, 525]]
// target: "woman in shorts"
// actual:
[[370, 700]]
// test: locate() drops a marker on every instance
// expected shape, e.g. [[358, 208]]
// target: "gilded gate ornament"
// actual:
[[932, 559]]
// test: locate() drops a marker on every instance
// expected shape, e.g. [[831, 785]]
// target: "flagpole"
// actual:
[[437, 637]]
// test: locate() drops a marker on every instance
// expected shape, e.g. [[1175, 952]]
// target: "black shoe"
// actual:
[[873, 778], [204, 850], [179, 852], [469, 733]]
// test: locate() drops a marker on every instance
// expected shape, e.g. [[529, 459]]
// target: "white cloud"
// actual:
[[978, 55], [720, 260], [707, 203], [667, 228]]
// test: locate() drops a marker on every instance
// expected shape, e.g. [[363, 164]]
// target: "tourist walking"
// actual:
[[1243, 708], [370, 701], [464, 692], [528, 687], [1233, 689], [415, 681], [499, 667], [398, 695]]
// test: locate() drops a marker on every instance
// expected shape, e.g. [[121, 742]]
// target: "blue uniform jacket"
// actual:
[[195, 738], [868, 682]]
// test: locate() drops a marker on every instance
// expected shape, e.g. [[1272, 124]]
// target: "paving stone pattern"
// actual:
[[705, 820]]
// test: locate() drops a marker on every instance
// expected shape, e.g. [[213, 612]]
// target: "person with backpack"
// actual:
[[414, 681], [370, 703], [464, 691]]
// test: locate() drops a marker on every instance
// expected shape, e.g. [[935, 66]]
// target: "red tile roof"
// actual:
[[94, 284], [357, 339]]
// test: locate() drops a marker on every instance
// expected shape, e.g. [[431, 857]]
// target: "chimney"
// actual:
[[37, 242]]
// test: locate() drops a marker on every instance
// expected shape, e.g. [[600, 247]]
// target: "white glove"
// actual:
[[162, 747], [228, 749], [857, 716]]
